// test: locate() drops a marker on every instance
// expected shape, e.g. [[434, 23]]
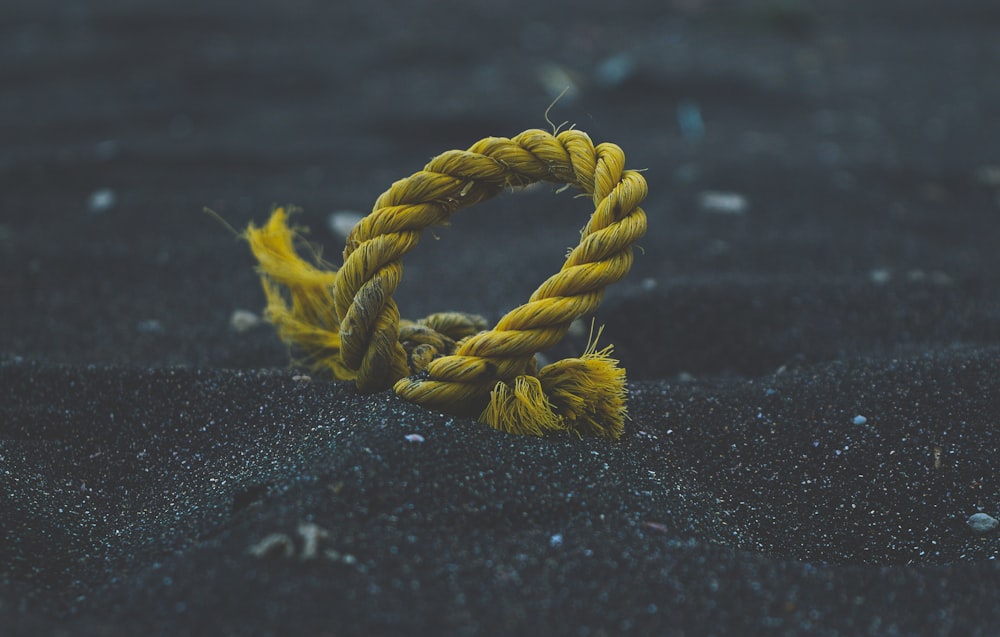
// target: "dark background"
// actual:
[[860, 278], [854, 130]]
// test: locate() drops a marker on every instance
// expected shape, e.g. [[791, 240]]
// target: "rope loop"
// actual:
[[346, 321]]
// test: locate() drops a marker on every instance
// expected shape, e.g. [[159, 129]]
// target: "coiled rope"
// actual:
[[346, 321]]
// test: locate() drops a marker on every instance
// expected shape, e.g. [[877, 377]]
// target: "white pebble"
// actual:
[[414, 438], [276, 544], [982, 523], [578, 328], [311, 534], [101, 200], [341, 222], [558, 82], [880, 276], [726, 203], [243, 320]]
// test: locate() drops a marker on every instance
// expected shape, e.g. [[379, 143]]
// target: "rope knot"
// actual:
[[436, 335], [347, 322]]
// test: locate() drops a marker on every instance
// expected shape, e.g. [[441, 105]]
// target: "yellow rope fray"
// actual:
[[347, 322]]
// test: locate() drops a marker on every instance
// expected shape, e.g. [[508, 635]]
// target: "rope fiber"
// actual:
[[346, 322]]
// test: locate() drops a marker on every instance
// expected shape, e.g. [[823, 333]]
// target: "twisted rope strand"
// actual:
[[465, 368], [603, 257]]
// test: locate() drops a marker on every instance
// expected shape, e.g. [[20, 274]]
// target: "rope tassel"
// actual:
[[346, 321], [307, 318], [584, 395]]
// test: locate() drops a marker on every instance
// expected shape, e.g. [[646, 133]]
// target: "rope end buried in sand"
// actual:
[[299, 296]]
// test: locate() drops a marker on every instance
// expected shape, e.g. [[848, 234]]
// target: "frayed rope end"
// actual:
[[584, 395], [522, 409], [299, 296]]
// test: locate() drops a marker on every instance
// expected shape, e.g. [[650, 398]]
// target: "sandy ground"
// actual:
[[813, 363]]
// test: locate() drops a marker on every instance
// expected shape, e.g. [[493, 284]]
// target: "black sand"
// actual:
[[815, 377]]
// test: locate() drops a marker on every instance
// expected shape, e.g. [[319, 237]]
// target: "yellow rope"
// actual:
[[347, 321]]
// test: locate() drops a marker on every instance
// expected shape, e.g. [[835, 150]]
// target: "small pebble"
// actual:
[[243, 320], [558, 82], [274, 545], [337, 556], [101, 200], [727, 203], [311, 534], [937, 277], [689, 120], [614, 71], [880, 276], [150, 326], [859, 420], [982, 523], [414, 438], [578, 328], [341, 222]]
